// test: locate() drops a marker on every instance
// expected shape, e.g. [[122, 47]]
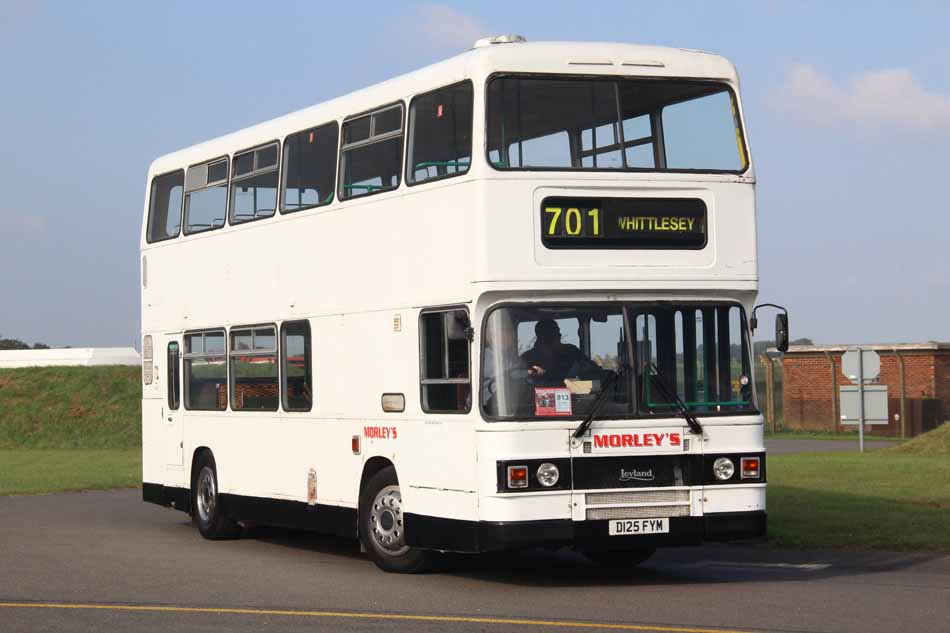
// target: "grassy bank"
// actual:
[[70, 407], [36, 470], [825, 435], [883, 500]]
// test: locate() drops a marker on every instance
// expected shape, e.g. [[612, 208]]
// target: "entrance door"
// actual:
[[174, 433]]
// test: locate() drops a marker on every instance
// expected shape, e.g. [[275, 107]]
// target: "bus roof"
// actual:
[[581, 58]]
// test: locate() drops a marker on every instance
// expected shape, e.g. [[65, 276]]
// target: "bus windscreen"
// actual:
[[565, 123]]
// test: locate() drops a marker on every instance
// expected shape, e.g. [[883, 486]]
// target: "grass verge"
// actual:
[[879, 500], [39, 470], [70, 407]]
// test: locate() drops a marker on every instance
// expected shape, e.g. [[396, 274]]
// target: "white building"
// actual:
[[76, 357]]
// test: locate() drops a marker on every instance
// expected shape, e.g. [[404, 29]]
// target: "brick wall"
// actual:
[[808, 385]]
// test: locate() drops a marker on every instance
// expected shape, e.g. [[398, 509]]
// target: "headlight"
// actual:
[[723, 468], [548, 474]]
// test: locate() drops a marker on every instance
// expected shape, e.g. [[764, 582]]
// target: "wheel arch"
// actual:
[[372, 466]]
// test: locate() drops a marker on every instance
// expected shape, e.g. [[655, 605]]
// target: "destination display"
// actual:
[[633, 223]]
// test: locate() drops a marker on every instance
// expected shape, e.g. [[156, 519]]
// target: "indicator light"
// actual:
[[517, 476]]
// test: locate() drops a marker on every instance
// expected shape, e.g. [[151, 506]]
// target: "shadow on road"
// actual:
[[708, 564]]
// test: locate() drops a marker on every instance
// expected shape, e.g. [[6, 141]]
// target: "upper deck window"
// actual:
[[164, 207], [254, 186], [371, 156], [206, 196], [440, 132], [621, 124], [309, 166]]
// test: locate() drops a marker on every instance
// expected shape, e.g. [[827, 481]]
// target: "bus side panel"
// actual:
[[153, 441]]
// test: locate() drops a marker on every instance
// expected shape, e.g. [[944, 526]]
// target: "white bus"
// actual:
[[499, 302]]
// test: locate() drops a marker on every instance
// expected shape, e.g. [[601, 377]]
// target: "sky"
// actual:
[[847, 107]]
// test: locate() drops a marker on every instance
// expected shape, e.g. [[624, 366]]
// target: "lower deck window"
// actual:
[[206, 371], [254, 369]]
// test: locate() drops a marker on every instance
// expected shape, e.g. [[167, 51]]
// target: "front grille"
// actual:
[[637, 512], [646, 496], [630, 504]]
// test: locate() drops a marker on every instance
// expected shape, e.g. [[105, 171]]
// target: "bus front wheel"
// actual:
[[382, 530], [206, 510]]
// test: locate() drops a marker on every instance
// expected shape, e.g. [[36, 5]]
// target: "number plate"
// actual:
[[626, 527]]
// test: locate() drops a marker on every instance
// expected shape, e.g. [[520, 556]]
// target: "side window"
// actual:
[[206, 196], [206, 371], [444, 350], [174, 379], [295, 358], [371, 155], [254, 369], [164, 206], [254, 185], [309, 168], [440, 129]]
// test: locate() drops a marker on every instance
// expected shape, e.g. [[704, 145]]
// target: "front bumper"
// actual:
[[453, 535]]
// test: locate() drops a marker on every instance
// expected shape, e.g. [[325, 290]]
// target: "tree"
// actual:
[[14, 343]]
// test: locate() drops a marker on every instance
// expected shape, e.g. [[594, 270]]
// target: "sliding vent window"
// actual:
[[607, 124], [254, 186], [309, 168], [371, 156], [206, 371], [254, 385], [446, 381], [296, 359], [440, 126], [206, 196], [164, 208]]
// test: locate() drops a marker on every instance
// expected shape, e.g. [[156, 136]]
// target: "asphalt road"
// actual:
[[105, 561]]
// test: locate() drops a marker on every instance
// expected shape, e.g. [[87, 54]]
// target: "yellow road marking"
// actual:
[[364, 616]]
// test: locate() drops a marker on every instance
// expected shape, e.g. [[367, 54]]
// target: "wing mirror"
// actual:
[[781, 325]]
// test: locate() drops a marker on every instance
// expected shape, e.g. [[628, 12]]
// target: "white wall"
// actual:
[[78, 357]]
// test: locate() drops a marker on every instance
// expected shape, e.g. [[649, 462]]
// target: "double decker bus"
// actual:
[[499, 302]]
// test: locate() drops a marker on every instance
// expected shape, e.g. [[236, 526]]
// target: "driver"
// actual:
[[550, 361]]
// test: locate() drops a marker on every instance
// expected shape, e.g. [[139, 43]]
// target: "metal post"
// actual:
[[769, 390], [900, 361], [861, 399], [835, 410]]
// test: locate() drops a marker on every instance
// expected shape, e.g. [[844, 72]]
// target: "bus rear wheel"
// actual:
[[206, 510], [382, 530]]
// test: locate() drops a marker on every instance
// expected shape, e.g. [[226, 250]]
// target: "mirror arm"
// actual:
[[754, 322]]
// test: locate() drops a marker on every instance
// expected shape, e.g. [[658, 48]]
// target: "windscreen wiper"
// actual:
[[601, 398], [671, 396]]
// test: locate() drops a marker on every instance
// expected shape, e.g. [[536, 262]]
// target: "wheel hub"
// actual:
[[207, 495], [387, 521]]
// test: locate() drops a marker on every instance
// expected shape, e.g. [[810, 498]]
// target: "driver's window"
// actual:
[[606, 347]]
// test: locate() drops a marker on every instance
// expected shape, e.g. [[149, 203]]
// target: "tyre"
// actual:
[[620, 559], [382, 532], [206, 511]]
